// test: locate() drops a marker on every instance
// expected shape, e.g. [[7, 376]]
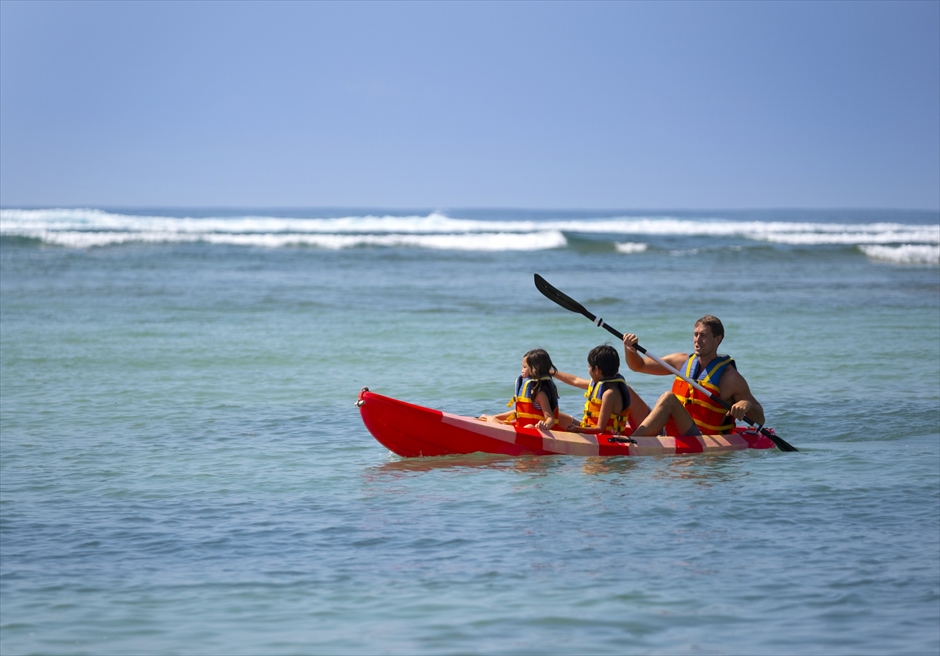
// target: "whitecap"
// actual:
[[905, 254], [27, 222], [630, 247], [535, 241], [501, 241]]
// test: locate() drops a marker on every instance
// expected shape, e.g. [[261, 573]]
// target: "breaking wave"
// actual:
[[904, 254], [87, 228]]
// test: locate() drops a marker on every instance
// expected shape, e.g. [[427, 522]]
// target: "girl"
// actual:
[[536, 397]]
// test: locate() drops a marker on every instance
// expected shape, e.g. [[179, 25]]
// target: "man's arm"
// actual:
[[735, 390], [647, 365]]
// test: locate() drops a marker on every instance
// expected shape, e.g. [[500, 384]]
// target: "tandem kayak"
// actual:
[[414, 431]]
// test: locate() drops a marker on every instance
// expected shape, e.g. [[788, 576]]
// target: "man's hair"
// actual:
[[713, 324]]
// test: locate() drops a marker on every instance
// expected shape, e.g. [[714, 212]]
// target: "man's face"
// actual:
[[704, 342]]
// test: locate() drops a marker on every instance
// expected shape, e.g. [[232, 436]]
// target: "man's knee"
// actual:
[[667, 399]]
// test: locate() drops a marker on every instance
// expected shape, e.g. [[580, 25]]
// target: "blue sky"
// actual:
[[632, 105]]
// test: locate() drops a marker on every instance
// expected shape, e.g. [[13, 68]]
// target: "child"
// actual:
[[611, 406], [536, 397]]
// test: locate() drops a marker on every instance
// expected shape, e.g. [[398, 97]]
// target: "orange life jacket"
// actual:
[[526, 410], [711, 417], [616, 423]]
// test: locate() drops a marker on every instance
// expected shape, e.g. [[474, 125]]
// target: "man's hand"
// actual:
[[739, 409], [629, 342]]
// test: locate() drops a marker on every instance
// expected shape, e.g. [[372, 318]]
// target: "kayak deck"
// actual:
[[412, 431]]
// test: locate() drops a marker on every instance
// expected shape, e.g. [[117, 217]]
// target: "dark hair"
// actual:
[[605, 358], [540, 364], [713, 324]]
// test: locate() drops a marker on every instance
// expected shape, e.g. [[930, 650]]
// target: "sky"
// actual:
[[547, 105]]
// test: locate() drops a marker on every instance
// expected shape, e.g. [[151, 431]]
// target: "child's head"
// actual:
[[605, 358], [539, 363]]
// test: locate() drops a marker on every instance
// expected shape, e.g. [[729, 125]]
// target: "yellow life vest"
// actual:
[[616, 423], [709, 415], [526, 410]]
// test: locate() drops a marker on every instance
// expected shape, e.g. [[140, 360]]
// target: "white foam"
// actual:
[[465, 234], [468, 242], [630, 247], [92, 239], [462, 242], [859, 235], [15, 220], [904, 254]]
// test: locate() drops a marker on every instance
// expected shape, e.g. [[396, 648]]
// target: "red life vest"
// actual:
[[616, 423], [526, 410], [709, 415]]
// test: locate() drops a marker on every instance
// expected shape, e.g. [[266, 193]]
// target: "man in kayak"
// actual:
[[685, 410]]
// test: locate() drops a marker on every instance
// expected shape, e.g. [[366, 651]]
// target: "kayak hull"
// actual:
[[413, 431]]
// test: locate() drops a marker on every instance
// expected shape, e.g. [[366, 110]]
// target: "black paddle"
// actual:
[[569, 303]]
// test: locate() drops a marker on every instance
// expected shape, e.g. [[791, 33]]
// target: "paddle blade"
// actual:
[[781, 443], [560, 298], [569, 303]]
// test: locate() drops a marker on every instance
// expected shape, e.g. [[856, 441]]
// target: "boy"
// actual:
[[611, 406]]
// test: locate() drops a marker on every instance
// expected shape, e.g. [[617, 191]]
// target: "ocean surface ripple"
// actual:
[[183, 468]]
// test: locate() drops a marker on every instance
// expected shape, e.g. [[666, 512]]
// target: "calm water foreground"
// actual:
[[183, 469]]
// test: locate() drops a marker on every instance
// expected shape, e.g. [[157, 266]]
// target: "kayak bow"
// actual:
[[414, 431]]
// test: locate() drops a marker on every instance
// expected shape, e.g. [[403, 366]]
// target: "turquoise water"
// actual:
[[183, 469]]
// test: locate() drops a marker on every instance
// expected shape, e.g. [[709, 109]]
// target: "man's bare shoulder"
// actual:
[[733, 383], [676, 360]]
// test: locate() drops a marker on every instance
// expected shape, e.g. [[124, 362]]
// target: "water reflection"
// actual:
[[471, 460], [705, 470], [603, 465]]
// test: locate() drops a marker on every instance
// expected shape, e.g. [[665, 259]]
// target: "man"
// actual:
[[685, 410]]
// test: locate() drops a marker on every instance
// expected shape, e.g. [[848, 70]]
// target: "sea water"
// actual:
[[183, 469]]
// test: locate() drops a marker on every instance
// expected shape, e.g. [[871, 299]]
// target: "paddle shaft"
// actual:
[[570, 304]]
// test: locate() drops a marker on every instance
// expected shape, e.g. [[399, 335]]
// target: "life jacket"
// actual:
[[616, 423], [710, 416], [526, 410]]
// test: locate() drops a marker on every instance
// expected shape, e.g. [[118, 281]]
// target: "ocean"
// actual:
[[183, 469]]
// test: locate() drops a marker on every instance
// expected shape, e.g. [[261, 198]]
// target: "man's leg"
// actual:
[[666, 408], [639, 411]]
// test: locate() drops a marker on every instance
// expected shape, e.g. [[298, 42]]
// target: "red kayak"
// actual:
[[413, 431]]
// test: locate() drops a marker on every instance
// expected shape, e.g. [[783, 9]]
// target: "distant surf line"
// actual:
[[89, 228]]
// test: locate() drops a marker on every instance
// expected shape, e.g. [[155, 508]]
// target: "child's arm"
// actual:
[[609, 404], [571, 379], [548, 418]]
